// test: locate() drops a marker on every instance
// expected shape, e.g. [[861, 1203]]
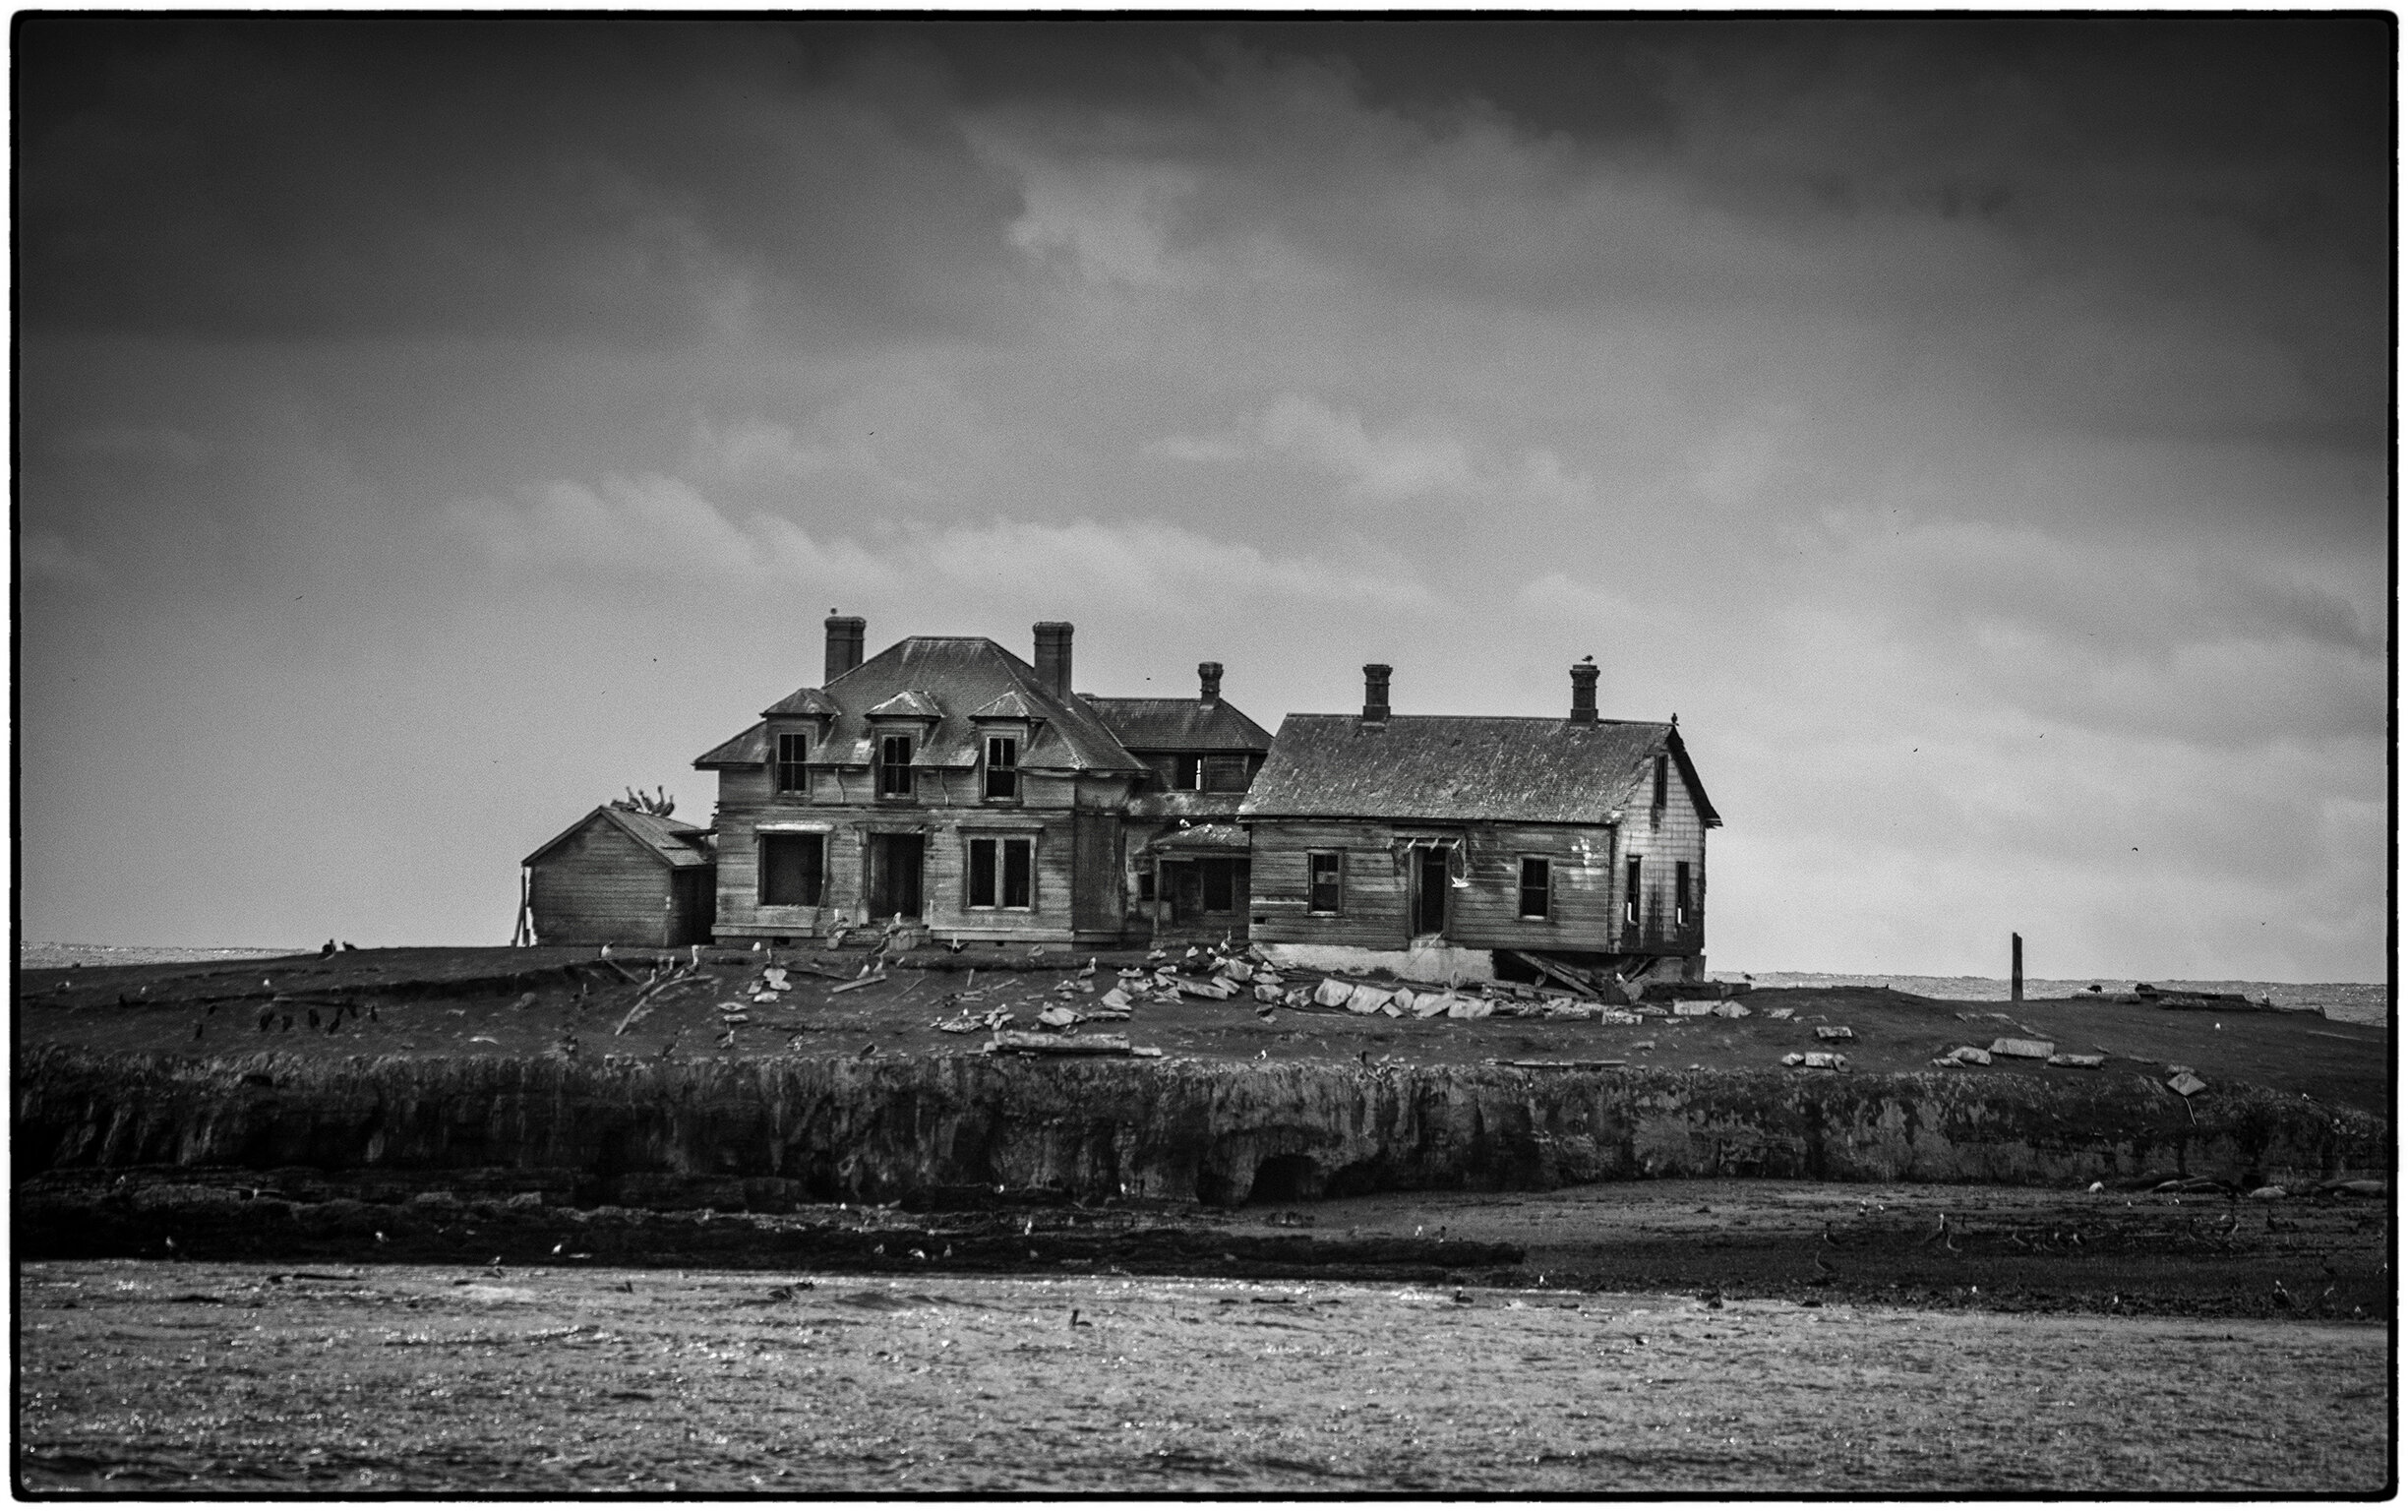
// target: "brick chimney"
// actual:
[[1053, 658], [1208, 680], [844, 644], [1584, 691], [1375, 693]]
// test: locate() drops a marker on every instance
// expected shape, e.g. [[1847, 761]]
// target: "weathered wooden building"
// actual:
[[948, 782], [621, 875], [1453, 836]]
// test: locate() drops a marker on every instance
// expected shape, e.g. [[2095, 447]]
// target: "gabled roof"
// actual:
[[674, 842], [1178, 724], [1007, 704], [1463, 767], [803, 701], [935, 677]]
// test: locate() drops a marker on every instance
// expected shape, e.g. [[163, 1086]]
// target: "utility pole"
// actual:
[[2014, 982]]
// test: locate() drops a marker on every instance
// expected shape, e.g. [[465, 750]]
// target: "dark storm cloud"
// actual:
[[644, 182]]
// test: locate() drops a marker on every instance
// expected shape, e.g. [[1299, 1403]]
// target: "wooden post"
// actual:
[[2014, 982]]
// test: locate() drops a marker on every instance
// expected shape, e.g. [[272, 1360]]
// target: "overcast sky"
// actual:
[[1974, 431]]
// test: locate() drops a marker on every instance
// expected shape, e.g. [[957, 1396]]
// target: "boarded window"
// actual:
[[792, 746], [1630, 893], [894, 771], [1328, 873], [1535, 888], [1002, 766], [1663, 767], [791, 869], [1002, 872], [1680, 894], [1225, 775]]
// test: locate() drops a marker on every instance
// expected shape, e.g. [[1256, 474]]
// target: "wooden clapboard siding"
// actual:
[[1376, 913], [1377, 886], [1661, 837], [597, 887]]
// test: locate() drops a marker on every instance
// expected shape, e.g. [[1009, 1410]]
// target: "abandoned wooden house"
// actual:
[[621, 875], [947, 783], [1449, 843]]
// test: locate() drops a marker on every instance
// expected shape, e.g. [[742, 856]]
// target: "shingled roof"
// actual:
[[1463, 767], [674, 841], [1178, 724], [943, 681]]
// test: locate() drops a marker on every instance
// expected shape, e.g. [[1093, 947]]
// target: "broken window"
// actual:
[[791, 869], [1680, 894], [1001, 873], [1630, 893], [1225, 775], [1327, 874], [1188, 774], [1535, 888], [792, 746], [894, 771], [1663, 767], [1002, 766]]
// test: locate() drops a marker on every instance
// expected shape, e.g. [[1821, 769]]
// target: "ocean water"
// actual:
[[2355, 1002]]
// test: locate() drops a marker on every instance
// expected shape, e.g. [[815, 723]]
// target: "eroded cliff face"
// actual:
[[770, 1133]]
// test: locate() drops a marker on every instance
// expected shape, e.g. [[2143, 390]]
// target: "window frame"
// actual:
[[1680, 894], [1546, 890], [1187, 772], [1663, 780], [814, 878], [1633, 876], [1337, 883], [883, 767], [1009, 770], [997, 874], [789, 759]]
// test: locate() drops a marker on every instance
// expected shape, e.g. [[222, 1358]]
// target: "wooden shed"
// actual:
[[619, 875]]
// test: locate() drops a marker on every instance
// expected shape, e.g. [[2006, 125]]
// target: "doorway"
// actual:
[[895, 865], [1430, 903]]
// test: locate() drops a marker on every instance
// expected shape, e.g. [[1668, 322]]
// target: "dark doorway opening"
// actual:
[[895, 874], [1429, 889]]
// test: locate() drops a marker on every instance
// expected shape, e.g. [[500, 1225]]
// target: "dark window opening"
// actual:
[[1327, 877], [792, 748], [1145, 884], [1535, 888], [1187, 773], [1225, 775], [1001, 873], [1630, 893], [1002, 766], [791, 869], [1680, 894], [894, 771], [1663, 768], [893, 864], [1220, 886]]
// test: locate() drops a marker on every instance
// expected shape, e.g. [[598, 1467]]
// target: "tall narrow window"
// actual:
[[1535, 888], [1002, 872], [791, 869], [1188, 774], [1145, 884], [1326, 875], [894, 769], [1002, 766], [792, 746], [1680, 894], [1630, 893], [1663, 767]]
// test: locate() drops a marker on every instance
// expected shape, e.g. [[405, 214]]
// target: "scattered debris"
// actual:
[[2087, 1062], [1011, 1040], [2187, 1084], [2023, 1049], [1833, 1032]]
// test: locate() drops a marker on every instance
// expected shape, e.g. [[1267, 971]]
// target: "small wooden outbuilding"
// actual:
[[623, 876]]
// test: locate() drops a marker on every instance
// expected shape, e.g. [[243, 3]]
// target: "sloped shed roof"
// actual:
[[1463, 767], [1178, 724], [951, 677], [674, 841]]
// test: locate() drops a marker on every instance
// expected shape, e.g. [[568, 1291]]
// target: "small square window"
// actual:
[[792, 746], [1535, 888], [1328, 875], [1002, 766]]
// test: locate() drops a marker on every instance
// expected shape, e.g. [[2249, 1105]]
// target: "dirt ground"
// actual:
[[147, 1378], [428, 1001]]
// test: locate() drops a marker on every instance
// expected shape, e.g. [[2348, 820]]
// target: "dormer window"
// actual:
[[1002, 766], [894, 766], [792, 747]]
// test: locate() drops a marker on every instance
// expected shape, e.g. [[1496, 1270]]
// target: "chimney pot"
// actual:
[[1375, 693], [1208, 679], [1054, 655], [844, 644], [1583, 693]]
